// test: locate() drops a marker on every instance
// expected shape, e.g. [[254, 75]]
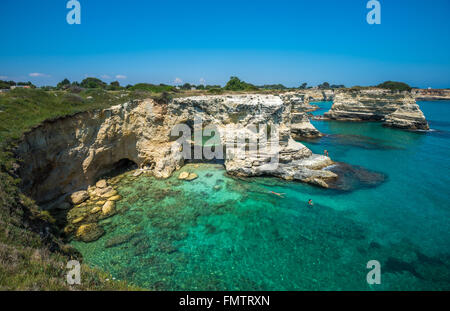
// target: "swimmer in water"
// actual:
[[278, 194], [310, 203]]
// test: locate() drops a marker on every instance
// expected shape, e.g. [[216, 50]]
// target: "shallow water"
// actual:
[[223, 233]]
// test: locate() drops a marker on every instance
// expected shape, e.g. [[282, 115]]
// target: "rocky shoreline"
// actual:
[[394, 109], [69, 154], [431, 94]]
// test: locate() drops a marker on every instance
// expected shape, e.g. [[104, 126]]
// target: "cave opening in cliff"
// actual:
[[119, 167]]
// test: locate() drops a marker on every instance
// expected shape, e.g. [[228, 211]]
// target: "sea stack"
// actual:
[[394, 109], [300, 106]]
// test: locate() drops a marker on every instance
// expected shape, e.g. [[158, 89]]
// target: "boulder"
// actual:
[[79, 219], [183, 175], [89, 232], [109, 194], [78, 197], [109, 208], [192, 176], [138, 173], [101, 184], [115, 198], [96, 209]]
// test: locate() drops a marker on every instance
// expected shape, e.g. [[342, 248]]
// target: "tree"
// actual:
[[303, 86], [337, 86], [235, 84], [324, 86], [114, 86], [31, 85], [6, 84], [186, 86], [395, 86], [93, 83], [273, 87], [64, 84]]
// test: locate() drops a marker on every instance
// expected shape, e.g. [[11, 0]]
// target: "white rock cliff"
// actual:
[[68, 154]]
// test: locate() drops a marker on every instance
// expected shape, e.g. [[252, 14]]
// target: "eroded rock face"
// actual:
[[431, 94], [301, 127], [68, 154], [394, 109], [315, 95]]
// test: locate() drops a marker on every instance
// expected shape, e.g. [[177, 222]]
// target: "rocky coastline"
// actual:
[[394, 109], [301, 127], [431, 94], [69, 154]]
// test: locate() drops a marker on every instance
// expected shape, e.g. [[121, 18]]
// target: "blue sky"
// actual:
[[262, 42]]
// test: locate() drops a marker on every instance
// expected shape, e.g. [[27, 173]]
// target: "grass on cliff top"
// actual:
[[26, 262]]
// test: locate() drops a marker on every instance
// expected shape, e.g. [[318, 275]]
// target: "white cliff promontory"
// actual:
[[301, 127], [68, 154], [394, 109]]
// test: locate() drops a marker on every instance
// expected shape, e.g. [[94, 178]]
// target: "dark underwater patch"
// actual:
[[353, 177], [394, 265], [358, 141]]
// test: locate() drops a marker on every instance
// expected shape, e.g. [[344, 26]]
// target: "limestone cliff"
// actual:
[[316, 95], [64, 155], [431, 94], [394, 109], [301, 127]]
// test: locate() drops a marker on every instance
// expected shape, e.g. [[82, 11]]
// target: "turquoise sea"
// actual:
[[223, 233]]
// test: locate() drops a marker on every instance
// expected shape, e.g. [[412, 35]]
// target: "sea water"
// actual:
[[223, 233]]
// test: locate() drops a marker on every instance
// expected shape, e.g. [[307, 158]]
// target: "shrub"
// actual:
[[235, 84], [152, 87], [395, 86], [93, 83]]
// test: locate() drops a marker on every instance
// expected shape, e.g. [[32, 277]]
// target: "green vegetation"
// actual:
[[324, 86], [64, 84], [6, 84], [153, 88], [215, 91], [26, 262], [395, 86], [235, 84], [93, 83], [273, 87]]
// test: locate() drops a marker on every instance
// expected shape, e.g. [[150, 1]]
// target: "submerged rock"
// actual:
[[96, 209], [89, 232], [183, 175], [109, 194], [119, 239], [115, 198], [192, 176], [108, 208], [351, 177]]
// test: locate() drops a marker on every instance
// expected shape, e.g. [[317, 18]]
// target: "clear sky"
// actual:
[[262, 42]]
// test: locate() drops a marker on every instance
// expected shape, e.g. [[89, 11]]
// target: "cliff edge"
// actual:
[[394, 109]]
